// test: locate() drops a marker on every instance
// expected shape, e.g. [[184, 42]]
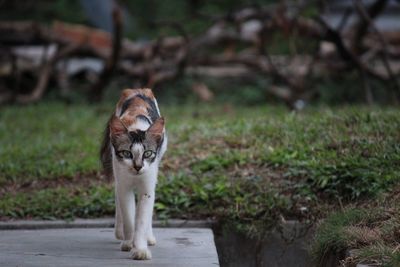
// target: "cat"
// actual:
[[134, 142]]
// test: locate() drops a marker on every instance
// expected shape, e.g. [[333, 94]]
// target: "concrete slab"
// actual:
[[97, 247], [96, 223]]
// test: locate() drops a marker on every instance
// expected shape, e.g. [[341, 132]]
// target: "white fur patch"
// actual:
[[139, 125]]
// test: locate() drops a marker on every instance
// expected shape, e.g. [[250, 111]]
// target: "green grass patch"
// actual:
[[49, 140], [249, 165], [56, 203]]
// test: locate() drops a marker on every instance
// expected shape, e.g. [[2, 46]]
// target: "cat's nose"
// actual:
[[137, 168]]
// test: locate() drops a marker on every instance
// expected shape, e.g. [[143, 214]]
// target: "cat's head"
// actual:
[[136, 150]]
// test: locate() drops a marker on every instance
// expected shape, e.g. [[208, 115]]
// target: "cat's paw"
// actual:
[[140, 254], [126, 245], [151, 241]]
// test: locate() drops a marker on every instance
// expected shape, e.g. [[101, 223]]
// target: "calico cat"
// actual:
[[134, 143]]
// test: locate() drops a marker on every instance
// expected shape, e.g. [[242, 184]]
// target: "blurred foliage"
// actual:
[[45, 11], [143, 13], [146, 13]]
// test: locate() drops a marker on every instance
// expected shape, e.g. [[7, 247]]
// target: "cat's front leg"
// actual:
[[151, 240], [118, 225], [140, 250], [126, 203]]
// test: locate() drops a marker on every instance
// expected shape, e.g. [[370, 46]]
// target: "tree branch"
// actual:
[[361, 28], [385, 57]]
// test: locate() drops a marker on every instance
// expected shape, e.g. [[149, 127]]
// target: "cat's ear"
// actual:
[[116, 126], [156, 130]]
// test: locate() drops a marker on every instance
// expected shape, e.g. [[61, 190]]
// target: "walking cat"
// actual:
[[134, 143]]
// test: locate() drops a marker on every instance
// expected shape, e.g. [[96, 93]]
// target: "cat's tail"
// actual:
[[105, 152]]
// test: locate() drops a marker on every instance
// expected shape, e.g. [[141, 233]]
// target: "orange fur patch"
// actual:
[[147, 92], [116, 126], [128, 120], [137, 107], [128, 93], [157, 128]]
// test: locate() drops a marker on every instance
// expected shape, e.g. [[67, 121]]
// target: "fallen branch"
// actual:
[[235, 45], [44, 76]]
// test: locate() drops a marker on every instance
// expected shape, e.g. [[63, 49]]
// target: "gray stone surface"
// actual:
[[96, 223], [97, 247]]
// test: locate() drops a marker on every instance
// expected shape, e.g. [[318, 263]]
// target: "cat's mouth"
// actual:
[[136, 172]]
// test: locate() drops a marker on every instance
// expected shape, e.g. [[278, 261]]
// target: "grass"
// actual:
[[372, 236], [47, 141], [59, 202], [246, 166]]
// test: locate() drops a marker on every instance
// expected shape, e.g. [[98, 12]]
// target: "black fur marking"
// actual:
[[137, 136], [125, 106], [153, 113]]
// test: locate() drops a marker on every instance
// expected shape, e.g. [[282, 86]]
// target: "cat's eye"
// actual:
[[148, 154], [126, 154]]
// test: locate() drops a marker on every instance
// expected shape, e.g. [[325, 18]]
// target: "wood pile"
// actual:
[[235, 45]]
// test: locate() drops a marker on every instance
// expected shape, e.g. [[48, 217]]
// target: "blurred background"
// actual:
[[253, 52]]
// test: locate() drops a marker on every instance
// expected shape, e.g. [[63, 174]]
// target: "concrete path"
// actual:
[[175, 247], [96, 223]]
